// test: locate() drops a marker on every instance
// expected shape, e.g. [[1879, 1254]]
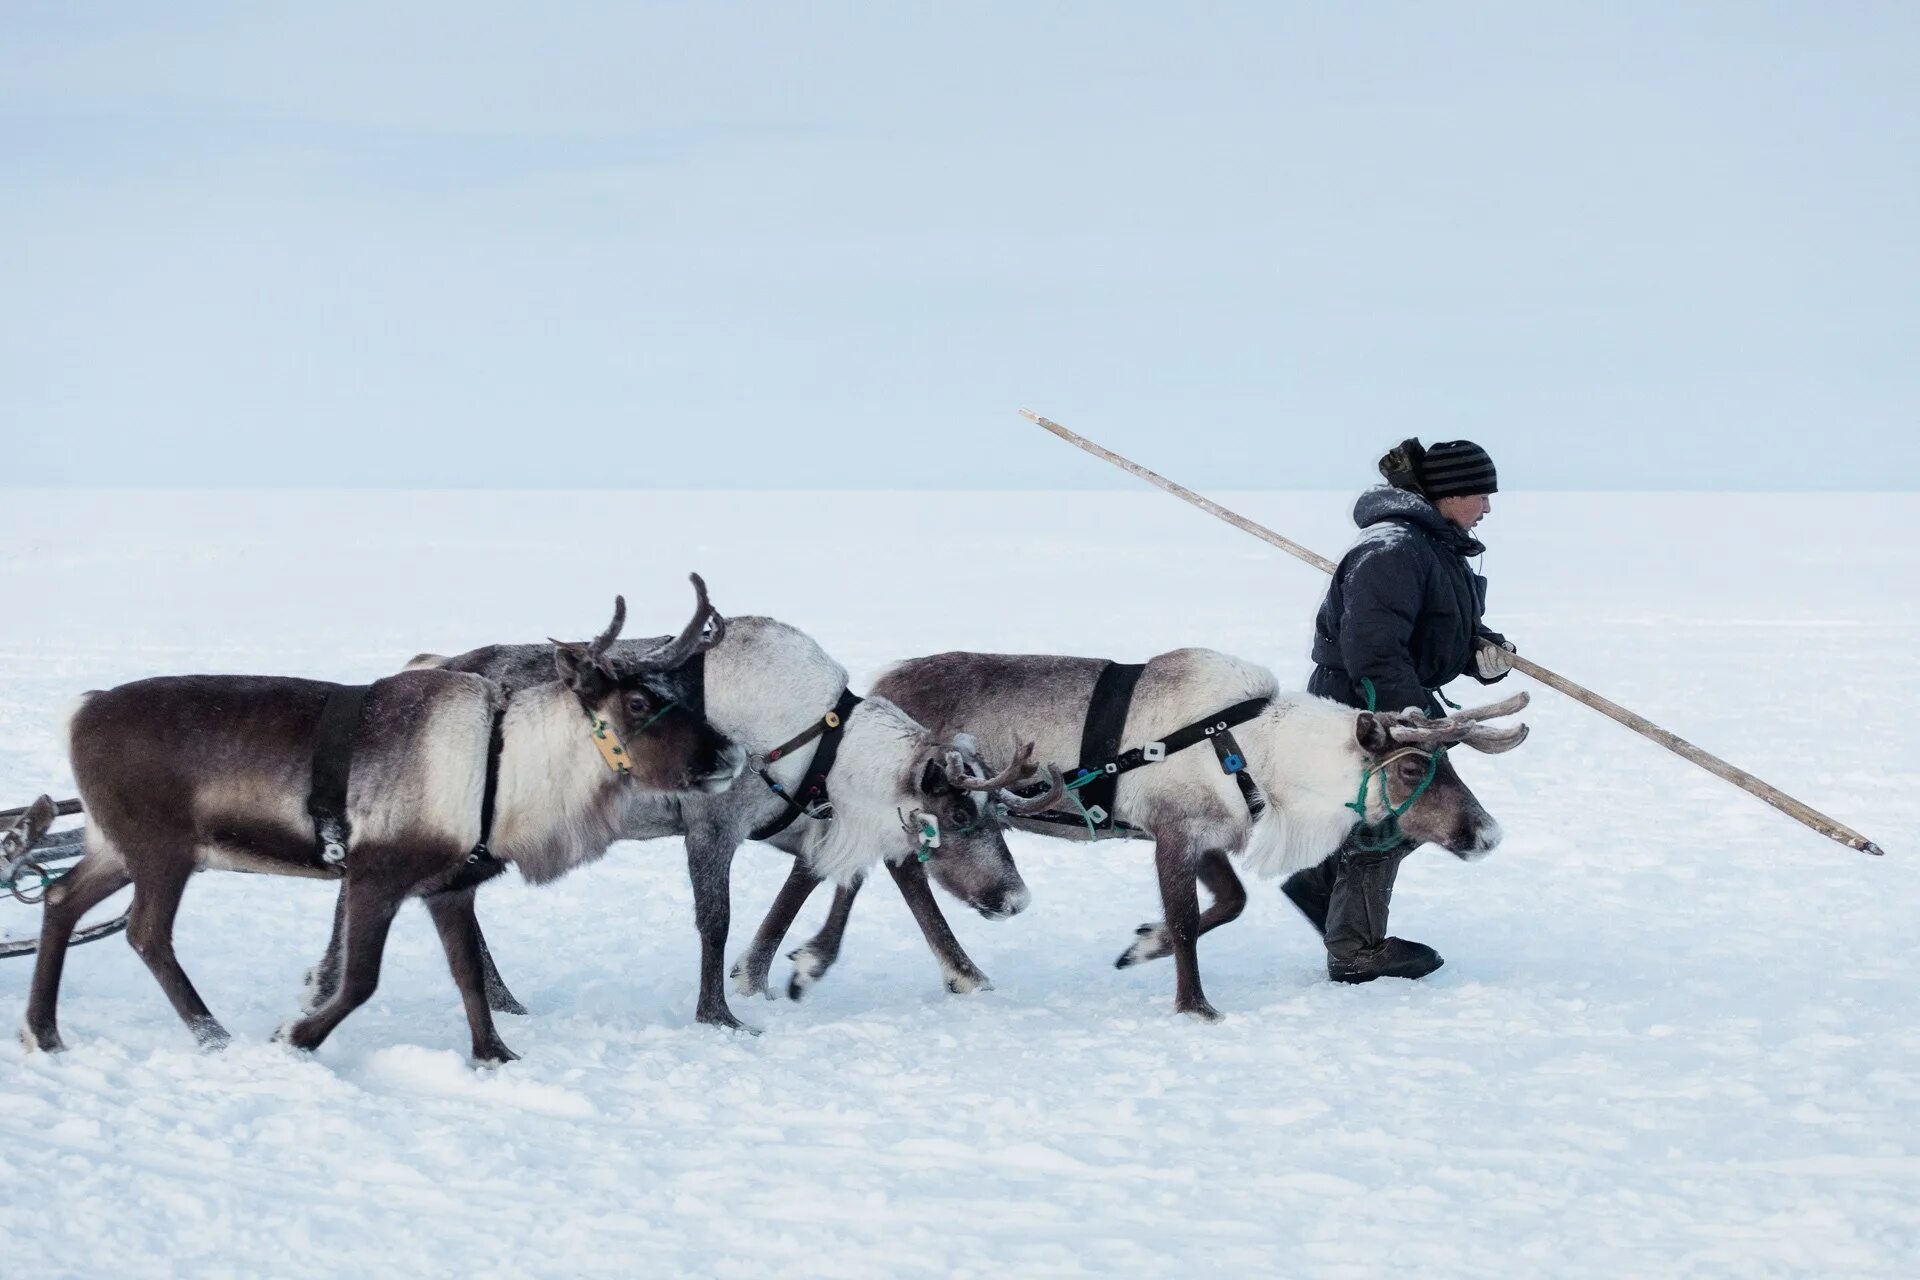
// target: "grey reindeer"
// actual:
[[1304, 756], [767, 685], [184, 773]]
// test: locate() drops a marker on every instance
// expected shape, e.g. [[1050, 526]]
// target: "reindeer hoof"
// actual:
[[1202, 1012], [750, 980], [210, 1035], [47, 1041], [496, 1054], [809, 966], [291, 1035], [1150, 943], [725, 1020], [962, 984]]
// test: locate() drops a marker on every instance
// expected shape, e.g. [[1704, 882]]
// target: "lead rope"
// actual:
[[1086, 814]]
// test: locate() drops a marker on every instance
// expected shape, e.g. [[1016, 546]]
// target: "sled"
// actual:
[[33, 858]]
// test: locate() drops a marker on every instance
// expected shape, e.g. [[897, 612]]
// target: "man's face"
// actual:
[[1466, 511]]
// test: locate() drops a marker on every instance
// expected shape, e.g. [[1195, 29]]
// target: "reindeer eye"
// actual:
[[638, 705]]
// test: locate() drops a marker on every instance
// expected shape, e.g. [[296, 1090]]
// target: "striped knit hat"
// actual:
[[1449, 469]]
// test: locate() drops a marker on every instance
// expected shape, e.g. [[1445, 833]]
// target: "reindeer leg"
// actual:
[[1180, 898], [324, 978], [959, 970], [157, 889], [1229, 900], [466, 957], [499, 998], [370, 911], [814, 957], [71, 897], [710, 866], [750, 970]]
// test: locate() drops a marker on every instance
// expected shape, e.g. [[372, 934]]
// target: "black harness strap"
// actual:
[[1216, 728], [1100, 735], [811, 795], [1234, 761], [334, 739], [333, 742], [696, 669], [489, 798]]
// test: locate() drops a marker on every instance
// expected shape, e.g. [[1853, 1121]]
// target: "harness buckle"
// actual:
[[1096, 815], [1111, 767], [1232, 763], [1154, 752], [833, 719], [333, 841]]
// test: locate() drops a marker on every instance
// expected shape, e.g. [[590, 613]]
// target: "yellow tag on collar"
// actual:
[[610, 749]]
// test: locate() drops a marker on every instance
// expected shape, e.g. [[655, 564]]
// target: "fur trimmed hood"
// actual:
[[1385, 503]]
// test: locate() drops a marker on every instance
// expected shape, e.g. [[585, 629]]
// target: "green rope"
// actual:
[[1380, 836], [654, 718]]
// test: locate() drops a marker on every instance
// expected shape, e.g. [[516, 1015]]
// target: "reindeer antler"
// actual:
[[1493, 710], [1027, 806], [604, 641], [1466, 728], [703, 631], [1021, 769]]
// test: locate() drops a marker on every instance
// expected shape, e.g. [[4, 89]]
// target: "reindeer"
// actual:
[[1304, 757], [451, 779], [765, 683]]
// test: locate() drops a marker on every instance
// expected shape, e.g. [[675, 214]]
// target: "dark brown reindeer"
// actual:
[[183, 773], [1304, 756], [766, 686]]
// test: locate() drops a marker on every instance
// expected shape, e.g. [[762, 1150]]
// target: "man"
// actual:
[[1401, 619]]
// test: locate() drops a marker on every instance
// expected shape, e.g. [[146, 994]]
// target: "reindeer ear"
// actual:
[[580, 669], [1370, 731]]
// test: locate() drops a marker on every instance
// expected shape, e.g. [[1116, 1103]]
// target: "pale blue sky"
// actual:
[[716, 246]]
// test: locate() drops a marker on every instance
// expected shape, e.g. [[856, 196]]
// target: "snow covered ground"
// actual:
[[1675, 1035]]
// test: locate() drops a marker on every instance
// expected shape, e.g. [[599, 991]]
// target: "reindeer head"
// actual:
[[643, 708], [963, 806], [1406, 758]]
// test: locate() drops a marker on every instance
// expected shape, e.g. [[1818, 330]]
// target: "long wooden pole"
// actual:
[[1646, 728]]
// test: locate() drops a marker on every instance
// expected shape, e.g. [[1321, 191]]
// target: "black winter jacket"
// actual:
[[1404, 609]]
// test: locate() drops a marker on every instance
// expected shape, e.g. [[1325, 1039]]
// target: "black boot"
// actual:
[[1358, 948], [1310, 889]]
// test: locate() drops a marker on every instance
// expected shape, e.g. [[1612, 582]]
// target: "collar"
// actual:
[[606, 740]]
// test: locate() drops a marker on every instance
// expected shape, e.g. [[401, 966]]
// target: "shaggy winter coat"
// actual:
[[1404, 609]]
